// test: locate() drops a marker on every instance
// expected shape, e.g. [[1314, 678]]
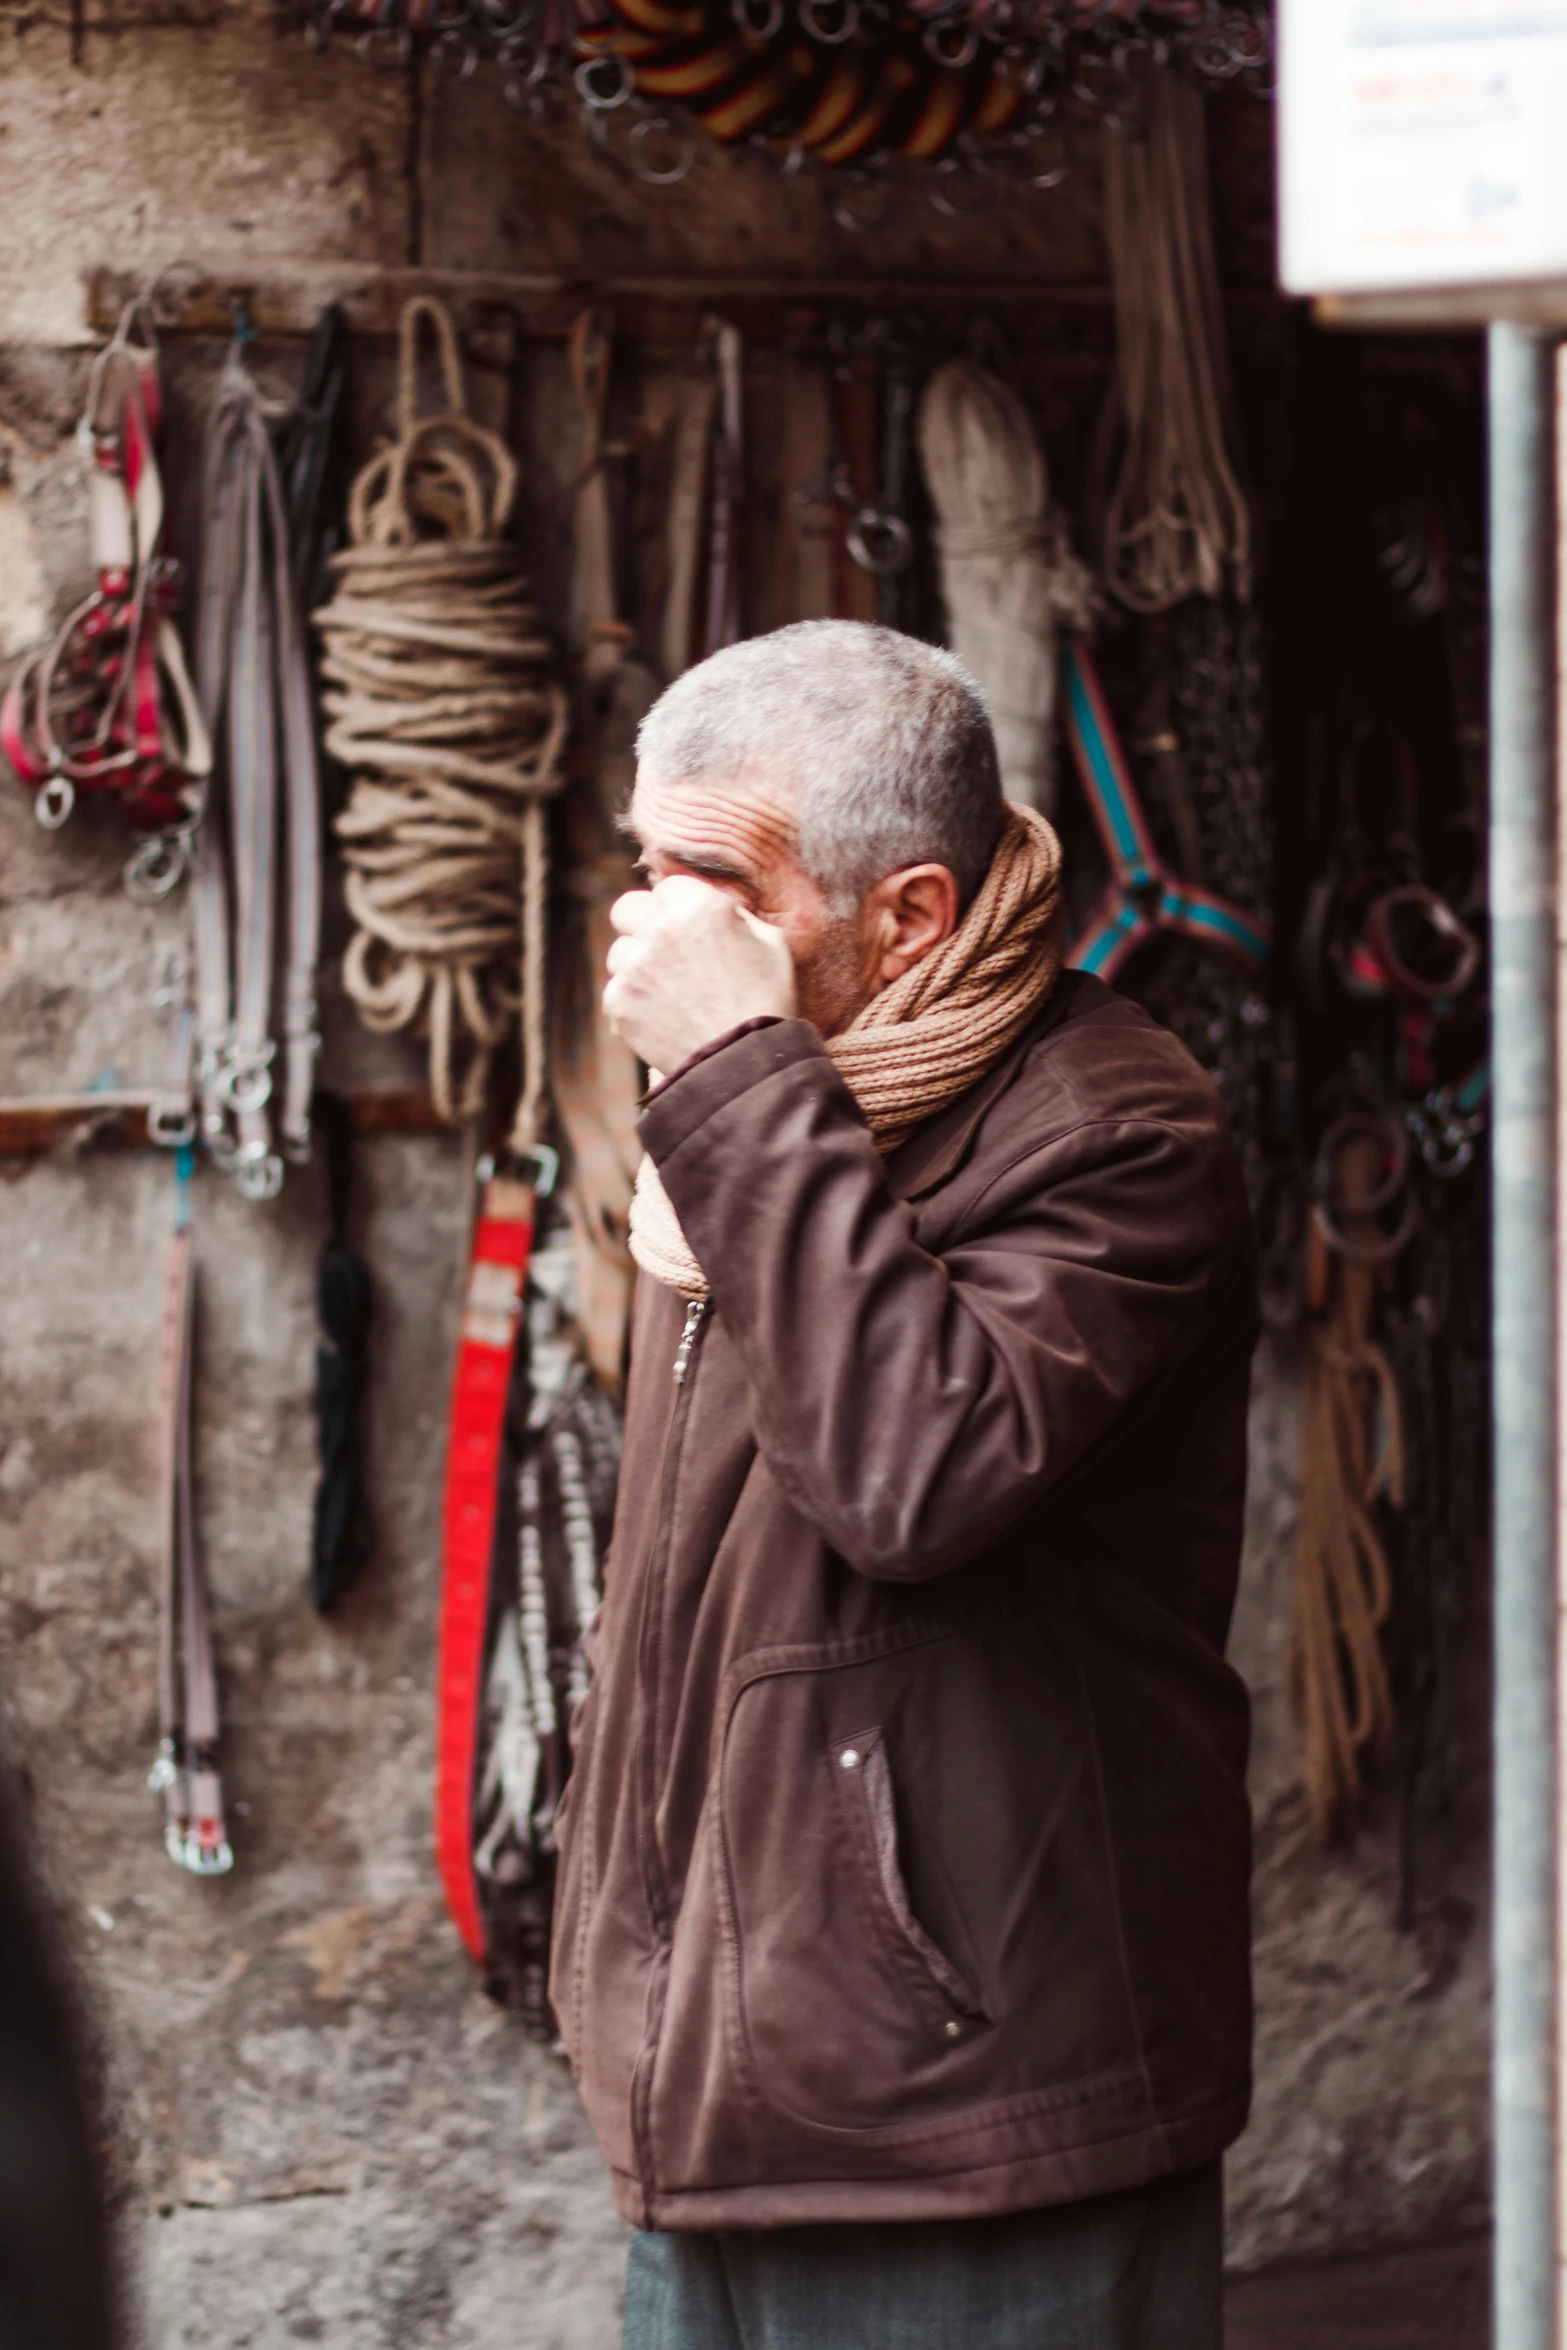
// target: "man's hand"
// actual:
[[688, 965]]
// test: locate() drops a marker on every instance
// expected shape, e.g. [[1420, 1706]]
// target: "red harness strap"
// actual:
[[486, 1351]]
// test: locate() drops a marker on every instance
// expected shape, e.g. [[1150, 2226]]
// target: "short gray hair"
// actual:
[[884, 742]]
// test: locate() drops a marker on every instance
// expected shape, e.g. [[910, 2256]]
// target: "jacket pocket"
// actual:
[[864, 1772], [914, 1882]]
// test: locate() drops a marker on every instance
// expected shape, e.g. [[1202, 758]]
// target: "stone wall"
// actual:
[[318, 2128]]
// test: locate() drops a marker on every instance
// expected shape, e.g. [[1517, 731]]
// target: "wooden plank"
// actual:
[[1445, 310], [71, 1122], [284, 299]]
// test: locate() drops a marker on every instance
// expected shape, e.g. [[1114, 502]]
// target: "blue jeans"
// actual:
[[1138, 2271]]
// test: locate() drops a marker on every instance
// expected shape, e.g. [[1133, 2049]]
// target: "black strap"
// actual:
[[344, 1534]]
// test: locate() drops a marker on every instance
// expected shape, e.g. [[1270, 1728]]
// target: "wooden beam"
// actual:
[[284, 299], [1446, 310], [29, 1128]]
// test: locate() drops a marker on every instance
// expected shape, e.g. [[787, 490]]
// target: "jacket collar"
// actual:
[[938, 1148]]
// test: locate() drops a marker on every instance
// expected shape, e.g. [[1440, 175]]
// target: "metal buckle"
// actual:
[[202, 1860], [546, 1163], [171, 1125]]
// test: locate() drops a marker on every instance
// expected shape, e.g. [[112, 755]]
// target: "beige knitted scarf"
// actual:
[[925, 1040]]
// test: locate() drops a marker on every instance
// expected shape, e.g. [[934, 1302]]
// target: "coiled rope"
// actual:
[[444, 705], [1176, 522]]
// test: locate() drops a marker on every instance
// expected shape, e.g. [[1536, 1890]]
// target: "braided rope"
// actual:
[[443, 702]]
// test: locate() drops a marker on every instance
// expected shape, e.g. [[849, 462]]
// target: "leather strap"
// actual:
[[186, 1770], [809, 523], [486, 1352], [1143, 897], [255, 692], [596, 1079], [687, 490], [855, 388], [726, 491]]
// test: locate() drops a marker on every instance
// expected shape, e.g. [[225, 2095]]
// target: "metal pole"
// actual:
[[1522, 849]]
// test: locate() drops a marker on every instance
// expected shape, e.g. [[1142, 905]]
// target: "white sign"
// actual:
[[1421, 143]]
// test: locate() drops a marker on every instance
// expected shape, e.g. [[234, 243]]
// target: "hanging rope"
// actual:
[[444, 705], [1338, 1677], [1175, 521], [1008, 573]]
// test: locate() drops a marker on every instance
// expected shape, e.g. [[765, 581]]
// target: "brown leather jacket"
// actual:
[[904, 1869]]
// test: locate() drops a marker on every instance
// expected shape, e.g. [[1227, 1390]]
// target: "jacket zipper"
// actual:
[[694, 1312], [646, 1750]]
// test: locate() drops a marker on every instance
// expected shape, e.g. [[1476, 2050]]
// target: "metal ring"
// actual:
[[604, 102], [654, 126], [1056, 168], [1368, 1252], [956, 59], [956, 171], [259, 1178], [1215, 58], [56, 798], [1443, 924], [385, 46], [850, 183], [810, 12], [772, 16], [525, 73], [157, 867], [1370, 1126], [882, 544], [246, 1085], [456, 55]]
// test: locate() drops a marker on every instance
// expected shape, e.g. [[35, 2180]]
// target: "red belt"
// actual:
[[486, 1351]]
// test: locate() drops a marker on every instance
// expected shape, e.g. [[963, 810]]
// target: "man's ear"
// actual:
[[906, 917]]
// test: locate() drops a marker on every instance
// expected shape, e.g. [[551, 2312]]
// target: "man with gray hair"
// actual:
[[903, 1873]]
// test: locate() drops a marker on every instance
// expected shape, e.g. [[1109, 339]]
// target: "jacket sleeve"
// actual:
[[913, 1405]]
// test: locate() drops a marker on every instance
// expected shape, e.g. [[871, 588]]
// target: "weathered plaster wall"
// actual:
[[319, 2130]]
